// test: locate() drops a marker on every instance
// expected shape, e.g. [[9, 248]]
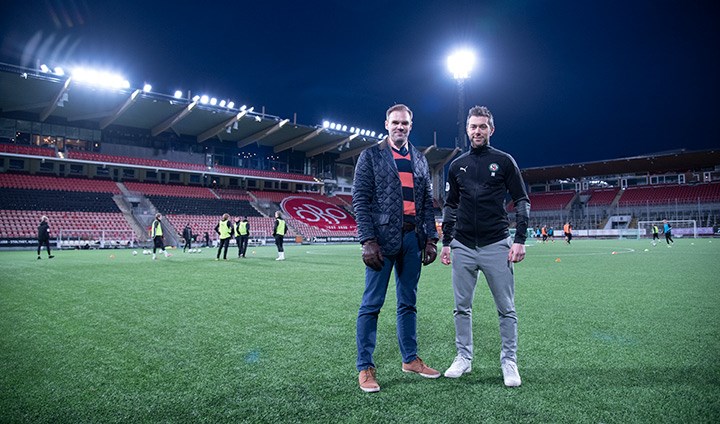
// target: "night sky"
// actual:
[[567, 81]]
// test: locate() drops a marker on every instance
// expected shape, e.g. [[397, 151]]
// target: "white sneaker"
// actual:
[[459, 367], [153, 256], [511, 376]]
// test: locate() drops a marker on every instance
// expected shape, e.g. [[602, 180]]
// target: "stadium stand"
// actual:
[[668, 194], [602, 197], [150, 189], [27, 150], [34, 182]]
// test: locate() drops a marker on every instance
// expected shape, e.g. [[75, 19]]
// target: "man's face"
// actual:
[[479, 130], [398, 125]]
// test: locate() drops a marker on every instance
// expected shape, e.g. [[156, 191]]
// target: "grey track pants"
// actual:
[[492, 261]]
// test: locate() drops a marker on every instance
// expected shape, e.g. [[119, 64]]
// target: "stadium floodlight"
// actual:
[[332, 125], [44, 68], [196, 98], [326, 124], [231, 105], [242, 108], [204, 99], [222, 103], [344, 128], [178, 94], [372, 134], [99, 78], [147, 88], [461, 63], [59, 71], [213, 101], [362, 132], [352, 129]]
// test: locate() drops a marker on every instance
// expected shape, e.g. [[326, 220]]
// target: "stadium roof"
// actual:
[[46, 95], [658, 163]]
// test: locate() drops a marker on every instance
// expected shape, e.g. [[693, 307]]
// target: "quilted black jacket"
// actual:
[[377, 198]]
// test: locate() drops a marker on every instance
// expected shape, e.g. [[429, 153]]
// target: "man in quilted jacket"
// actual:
[[392, 198]]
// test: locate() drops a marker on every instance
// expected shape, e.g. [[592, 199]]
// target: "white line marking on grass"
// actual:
[[604, 252]]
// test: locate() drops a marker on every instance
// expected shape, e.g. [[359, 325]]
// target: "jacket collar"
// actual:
[[480, 150]]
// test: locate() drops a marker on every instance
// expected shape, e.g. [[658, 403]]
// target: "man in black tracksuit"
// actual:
[[187, 235], [44, 237], [475, 227]]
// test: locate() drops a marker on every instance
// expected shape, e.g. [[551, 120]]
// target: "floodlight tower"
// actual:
[[460, 63]]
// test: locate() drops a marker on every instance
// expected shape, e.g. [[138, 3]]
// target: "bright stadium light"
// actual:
[[222, 103], [213, 101], [372, 134], [352, 129], [97, 77], [178, 94], [44, 68], [196, 98], [231, 105], [147, 88], [204, 99], [242, 108], [332, 125], [326, 124], [59, 71], [461, 63]]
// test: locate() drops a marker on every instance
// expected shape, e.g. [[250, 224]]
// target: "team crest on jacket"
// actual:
[[493, 167]]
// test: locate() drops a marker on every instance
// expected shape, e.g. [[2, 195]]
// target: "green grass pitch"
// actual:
[[105, 337]]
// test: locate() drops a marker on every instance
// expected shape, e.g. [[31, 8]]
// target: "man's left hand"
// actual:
[[430, 252], [517, 252]]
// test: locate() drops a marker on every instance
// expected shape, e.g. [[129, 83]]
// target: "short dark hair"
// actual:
[[398, 107], [481, 111]]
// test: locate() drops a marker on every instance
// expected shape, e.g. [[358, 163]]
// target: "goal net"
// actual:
[[102, 239], [679, 228]]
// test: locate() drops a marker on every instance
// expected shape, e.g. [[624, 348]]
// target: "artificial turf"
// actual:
[[104, 336]]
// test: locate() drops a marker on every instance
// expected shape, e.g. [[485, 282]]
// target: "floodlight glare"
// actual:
[[231, 105], [213, 101], [222, 103], [204, 99], [196, 98], [147, 88], [326, 124], [59, 71], [372, 134], [344, 127], [242, 108], [352, 129], [178, 94], [44, 68], [332, 125], [362, 132], [461, 63]]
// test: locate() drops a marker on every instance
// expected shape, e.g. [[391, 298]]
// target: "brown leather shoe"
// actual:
[[418, 367], [368, 383]]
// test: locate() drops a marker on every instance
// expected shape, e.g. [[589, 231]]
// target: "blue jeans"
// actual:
[[407, 264]]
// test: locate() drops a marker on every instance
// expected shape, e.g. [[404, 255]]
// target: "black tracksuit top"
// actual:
[[474, 211]]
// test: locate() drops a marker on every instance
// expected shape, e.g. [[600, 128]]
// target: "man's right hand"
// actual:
[[445, 255], [371, 255]]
